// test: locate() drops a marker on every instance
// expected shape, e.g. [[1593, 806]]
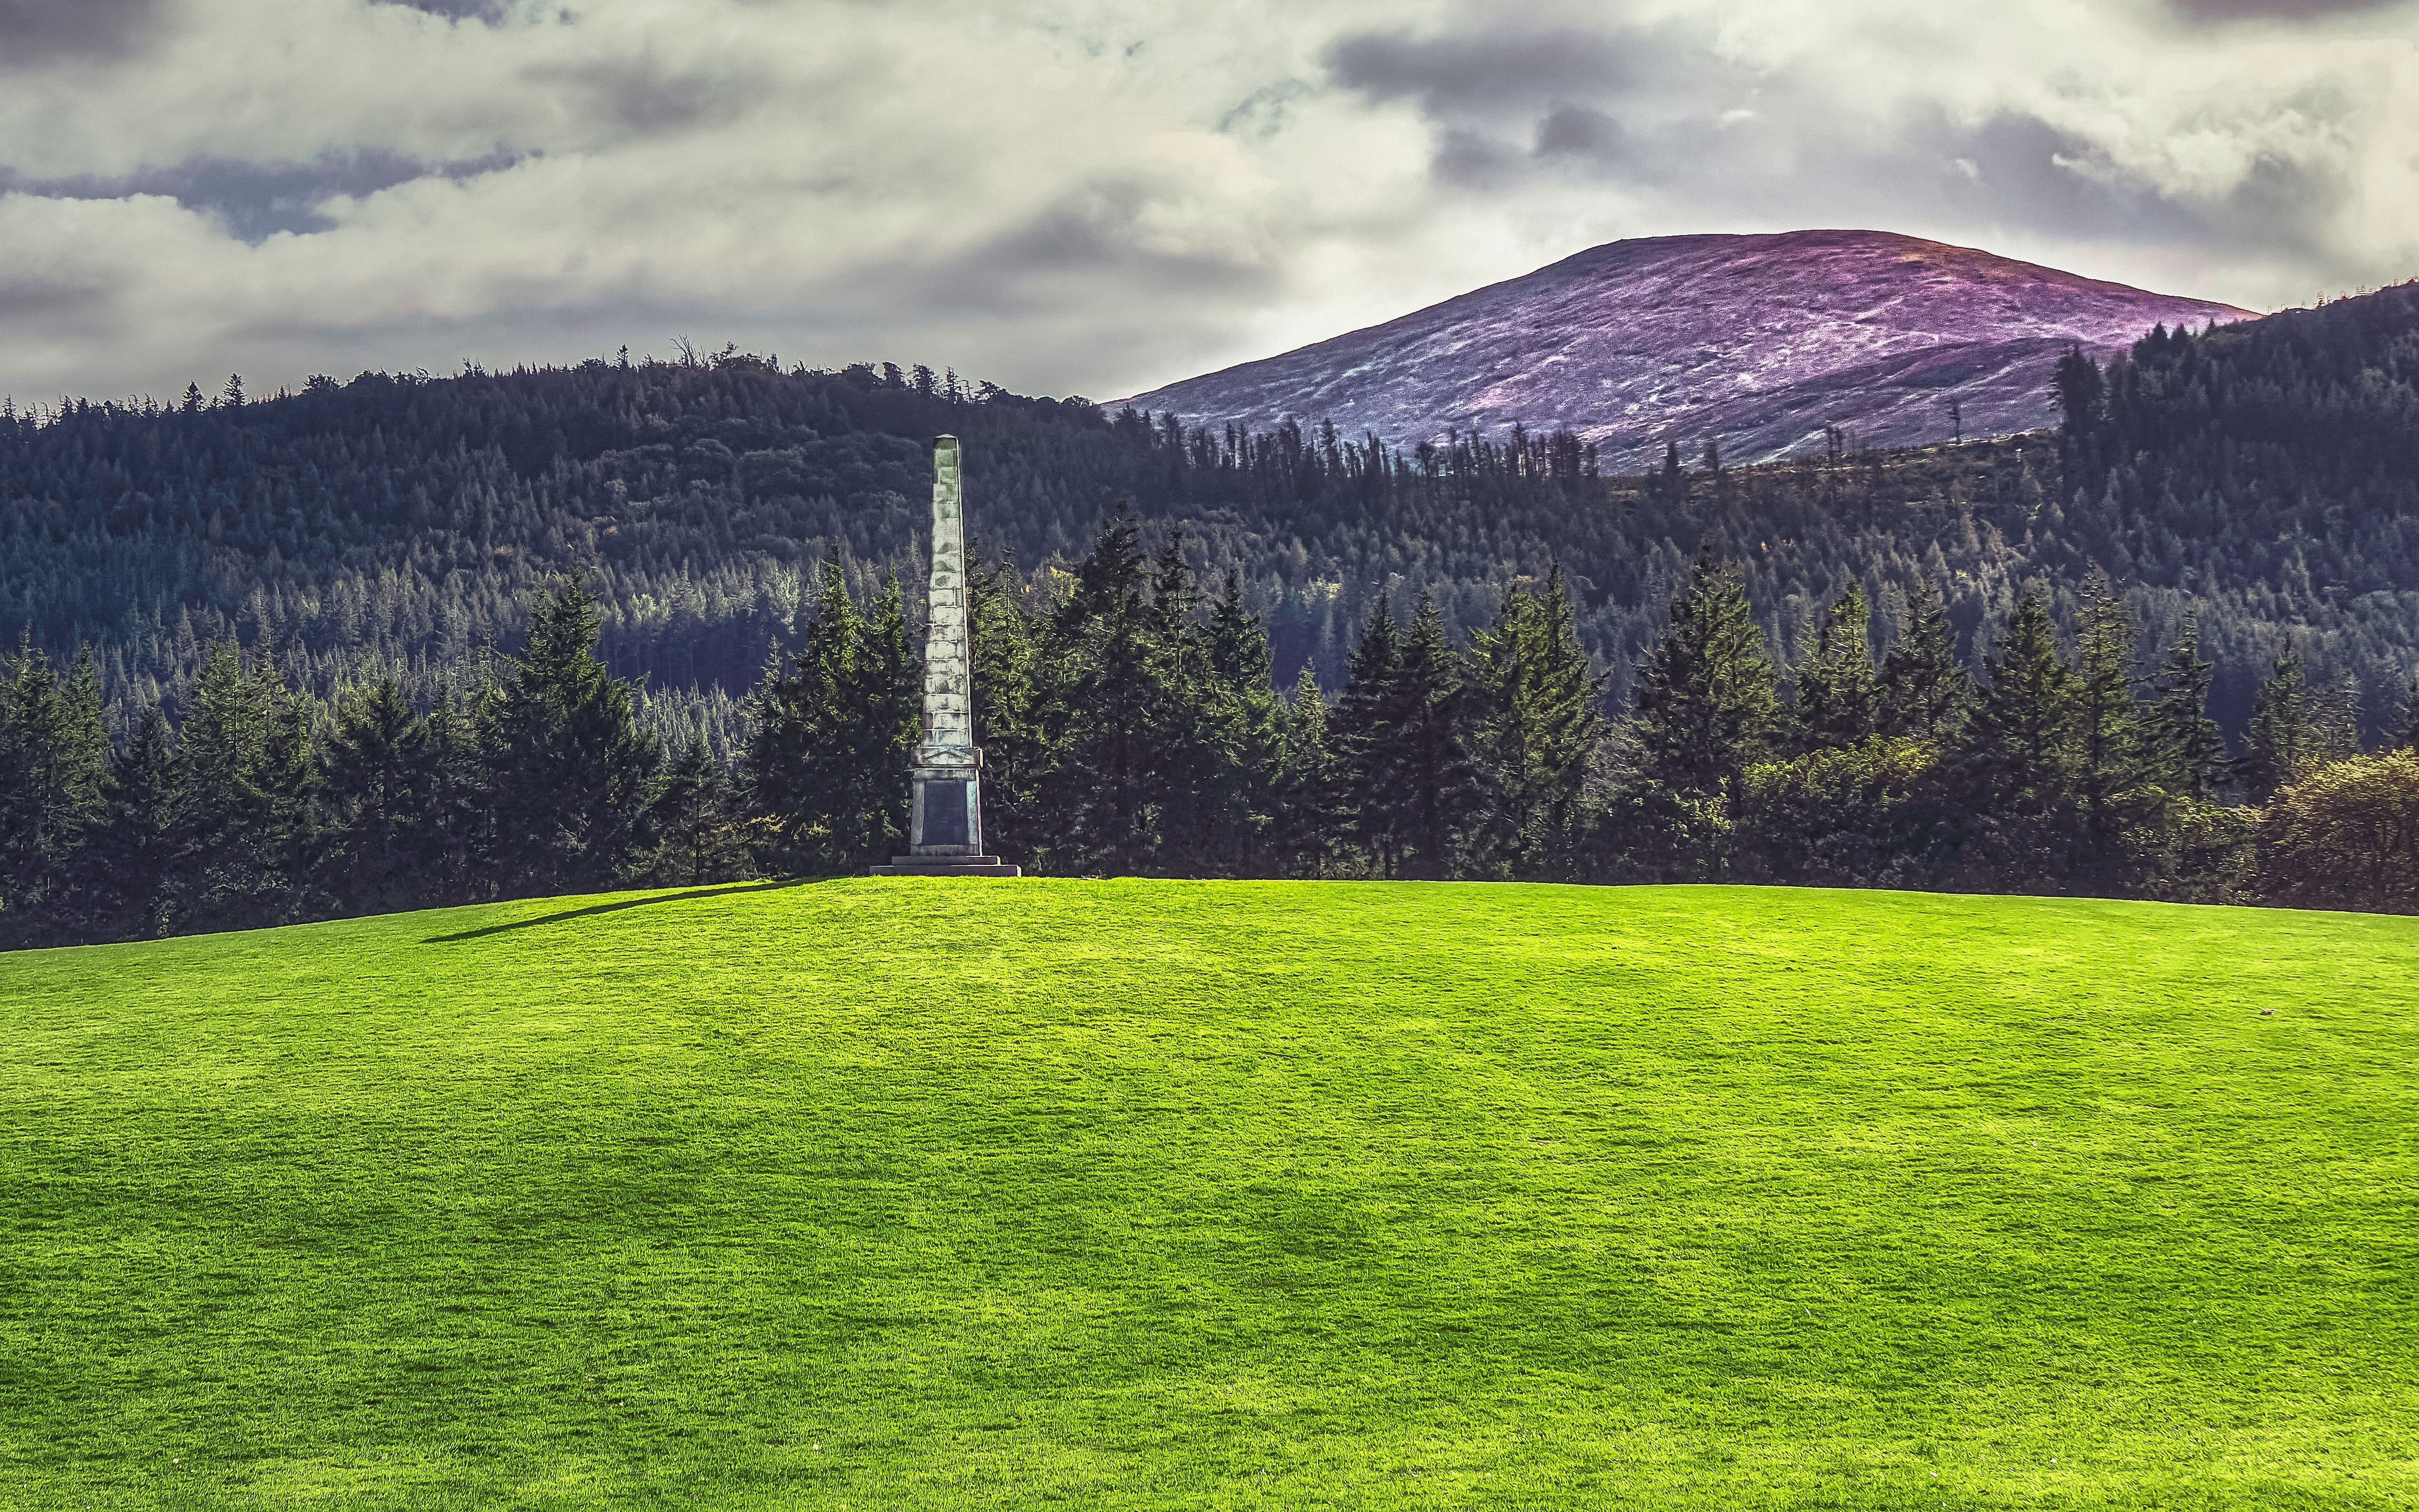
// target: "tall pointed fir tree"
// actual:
[[568, 766], [2335, 719], [2187, 752], [378, 800], [1926, 691], [1705, 693], [54, 757], [1838, 698], [244, 794], [1208, 766], [2017, 757], [2111, 770], [453, 849], [2081, 393], [133, 846], [1101, 791], [2279, 734], [1440, 793], [1011, 696], [1537, 722], [828, 755], [886, 711], [1368, 739], [1309, 802], [1247, 725], [692, 821]]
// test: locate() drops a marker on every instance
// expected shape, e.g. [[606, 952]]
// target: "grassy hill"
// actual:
[[1143, 1195]]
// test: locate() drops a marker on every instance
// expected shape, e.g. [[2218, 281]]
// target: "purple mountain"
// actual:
[[1754, 342]]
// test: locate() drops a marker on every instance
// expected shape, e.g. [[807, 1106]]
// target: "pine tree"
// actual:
[[378, 799], [1239, 642], [244, 788], [1247, 729], [2334, 720], [2110, 769], [288, 775], [1309, 795], [1925, 689], [1101, 787], [2405, 735], [692, 818], [2080, 392], [1012, 696], [569, 769], [2187, 752], [2279, 734], [885, 714], [54, 758], [1440, 793], [1838, 698], [455, 851], [1201, 814], [1369, 742], [134, 848], [827, 764], [2027, 705], [2018, 750], [1704, 694], [1537, 724]]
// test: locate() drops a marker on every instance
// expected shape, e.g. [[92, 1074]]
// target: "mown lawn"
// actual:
[[892, 1193]]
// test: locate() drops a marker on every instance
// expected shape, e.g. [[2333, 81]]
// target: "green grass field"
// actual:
[[1148, 1194]]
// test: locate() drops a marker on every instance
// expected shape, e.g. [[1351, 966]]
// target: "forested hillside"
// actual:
[[2261, 477], [396, 643]]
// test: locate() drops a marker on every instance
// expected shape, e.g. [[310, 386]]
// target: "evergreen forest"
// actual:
[[406, 640]]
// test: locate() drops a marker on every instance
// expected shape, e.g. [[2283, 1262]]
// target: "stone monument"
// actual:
[[945, 812]]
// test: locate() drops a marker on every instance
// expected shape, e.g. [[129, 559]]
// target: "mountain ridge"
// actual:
[[1756, 342]]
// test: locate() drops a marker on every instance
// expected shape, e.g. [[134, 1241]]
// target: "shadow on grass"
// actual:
[[617, 907]]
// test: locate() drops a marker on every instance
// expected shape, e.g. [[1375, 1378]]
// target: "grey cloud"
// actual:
[[1462, 71], [254, 201], [1468, 159], [1572, 129], [491, 11], [2023, 167], [2213, 10], [35, 296], [1093, 240], [1659, 110], [1633, 99], [36, 32], [2016, 167], [643, 98]]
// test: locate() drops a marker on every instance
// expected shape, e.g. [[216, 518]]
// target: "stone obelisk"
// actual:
[[944, 813]]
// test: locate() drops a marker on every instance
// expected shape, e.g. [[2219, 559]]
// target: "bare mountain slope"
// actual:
[[1757, 341]]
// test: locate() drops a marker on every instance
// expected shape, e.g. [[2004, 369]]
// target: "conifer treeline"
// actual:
[[2256, 480], [1129, 726]]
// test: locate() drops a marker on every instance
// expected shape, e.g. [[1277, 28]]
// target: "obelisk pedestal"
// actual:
[[945, 814]]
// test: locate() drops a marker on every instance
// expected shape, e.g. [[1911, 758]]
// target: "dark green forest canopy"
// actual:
[[2263, 477]]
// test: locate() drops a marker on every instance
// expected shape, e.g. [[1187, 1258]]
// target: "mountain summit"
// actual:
[[1755, 342]]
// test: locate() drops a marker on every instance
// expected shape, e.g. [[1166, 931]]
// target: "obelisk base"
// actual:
[[947, 866], [945, 817]]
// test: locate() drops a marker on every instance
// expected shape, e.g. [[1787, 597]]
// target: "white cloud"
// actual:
[[1099, 197]]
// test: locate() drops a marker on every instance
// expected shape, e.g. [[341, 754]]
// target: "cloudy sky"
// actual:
[[1092, 196]]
